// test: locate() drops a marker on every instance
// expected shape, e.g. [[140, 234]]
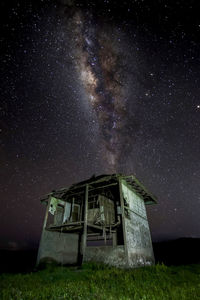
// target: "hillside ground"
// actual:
[[96, 281]]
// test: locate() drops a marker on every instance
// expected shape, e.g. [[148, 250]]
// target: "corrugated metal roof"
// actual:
[[96, 182]]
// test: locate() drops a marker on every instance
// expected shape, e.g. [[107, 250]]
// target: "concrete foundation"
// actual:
[[113, 256]]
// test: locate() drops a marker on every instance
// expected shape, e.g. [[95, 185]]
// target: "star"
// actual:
[[85, 91]]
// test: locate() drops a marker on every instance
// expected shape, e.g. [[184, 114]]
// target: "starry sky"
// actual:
[[95, 87]]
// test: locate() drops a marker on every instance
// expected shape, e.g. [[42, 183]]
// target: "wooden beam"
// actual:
[[99, 227], [65, 229], [104, 186], [65, 225], [95, 181], [90, 189]]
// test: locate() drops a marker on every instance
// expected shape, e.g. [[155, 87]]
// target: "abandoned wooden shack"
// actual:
[[102, 219]]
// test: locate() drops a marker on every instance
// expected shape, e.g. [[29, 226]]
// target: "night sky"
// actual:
[[96, 87]]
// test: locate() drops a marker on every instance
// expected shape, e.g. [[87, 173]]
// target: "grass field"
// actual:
[[95, 281]]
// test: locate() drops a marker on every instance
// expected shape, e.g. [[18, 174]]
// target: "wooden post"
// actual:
[[123, 220], [84, 238], [72, 209]]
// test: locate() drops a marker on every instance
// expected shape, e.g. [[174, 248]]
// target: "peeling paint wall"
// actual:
[[60, 247], [114, 256], [138, 239]]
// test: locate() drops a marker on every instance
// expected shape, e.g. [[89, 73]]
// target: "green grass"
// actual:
[[95, 281]]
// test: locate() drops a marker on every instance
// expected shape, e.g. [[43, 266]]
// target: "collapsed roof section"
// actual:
[[101, 182]]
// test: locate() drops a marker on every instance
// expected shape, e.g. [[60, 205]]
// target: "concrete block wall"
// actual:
[[138, 238], [59, 247]]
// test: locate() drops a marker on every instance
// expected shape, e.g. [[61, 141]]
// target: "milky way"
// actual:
[[100, 65]]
